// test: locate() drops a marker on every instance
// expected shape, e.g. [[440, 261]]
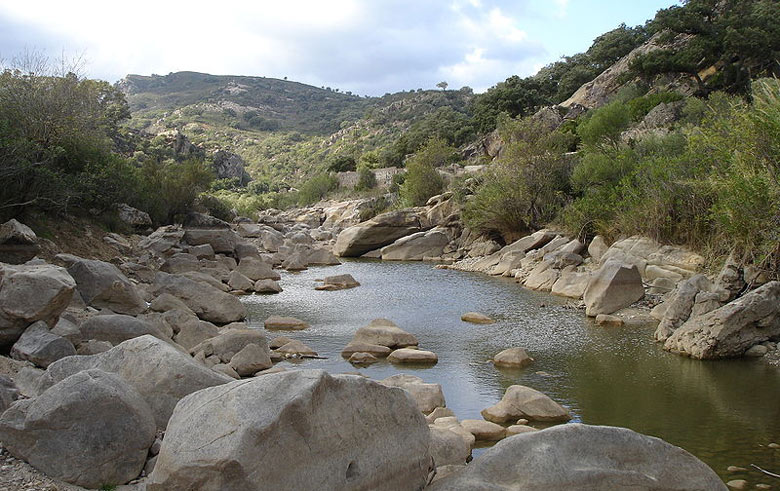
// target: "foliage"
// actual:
[[603, 128], [366, 179], [317, 188], [342, 163], [422, 180]]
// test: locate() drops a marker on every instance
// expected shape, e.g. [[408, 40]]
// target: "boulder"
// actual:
[[339, 282], [383, 332], [207, 302], [680, 305], [103, 286], [237, 281], [278, 342], [221, 240], [513, 358], [484, 430], [8, 393], [18, 242], [321, 257], [228, 165], [542, 277], [278, 322], [91, 429], [296, 262], [250, 359], [267, 286], [295, 347], [519, 429], [203, 251], [66, 328], [412, 355], [524, 402], [416, 246], [448, 447], [166, 302], [255, 269], [40, 346], [135, 218], [427, 396], [276, 432], [93, 347], [576, 456], [609, 320], [117, 328], [378, 232], [476, 318], [158, 371], [366, 348], [439, 412], [181, 262], [597, 248], [612, 287], [29, 294], [163, 239], [732, 329], [571, 284], [361, 358]]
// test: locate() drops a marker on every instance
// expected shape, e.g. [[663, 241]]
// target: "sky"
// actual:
[[368, 47]]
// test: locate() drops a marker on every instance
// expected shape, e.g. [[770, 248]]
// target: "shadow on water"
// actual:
[[723, 412]]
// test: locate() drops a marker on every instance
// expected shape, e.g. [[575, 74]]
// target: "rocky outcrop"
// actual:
[[576, 456], [276, 432], [134, 218], [732, 329], [614, 286], [679, 305], [524, 402], [378, 232], [417, 246], [91, 429], [228, 165], [207, 302], [103, 286]]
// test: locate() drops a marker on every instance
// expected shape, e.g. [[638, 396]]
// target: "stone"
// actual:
[[289, 323], [360, 347], [730, 330], [383, 332], [295, 347], [484, 430], [571, 284], [276, 432], [181, 262], [18, 242], [412, 355], [278, 342], [376, 233], [91, 429], [339, 282], [221, 240], [116, 328], [360, 358], [158, 371], [267, 286], [205, 301], [163, 239], [448, 447], [250, 359], [680, 306], [513, 358], [321, 257], [166, 302], [256, 269], [520, 401], [203, 251], [237, 281], [228, 165], [439, 412], [614, 286], [135, 218], [93, 347], [476, 318], [756, 351], [229, 342], [29, 294], [576, 456], [295, 262], [213, 280], [103, 286], [416, 246], [542, 277], [737, 484], [427, 396], [66, 328], [8, 393], [561, 259], [519, 429], [609, 320], [40, 346]]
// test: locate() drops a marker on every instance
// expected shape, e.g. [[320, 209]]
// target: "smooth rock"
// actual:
[[448, 447], [290, 323], [614, 286], [41, 347], [360, 347], [250, 359], [103, 286], [439, 412], [609, 320], [205, 301], [295, 347], [117, 328], [378, 232], [484, 430], [237, 281], [411, 355], [340, 282], [476, 318], [256, 269], [520, 401], [427, 396], [383, 332], [518, 429], [267, 286], [513, 358], [360, 358]]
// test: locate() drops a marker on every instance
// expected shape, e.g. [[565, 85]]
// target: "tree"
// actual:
[[442, 85], [422, 179]]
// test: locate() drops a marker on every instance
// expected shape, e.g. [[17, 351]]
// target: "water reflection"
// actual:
[[723, 412]]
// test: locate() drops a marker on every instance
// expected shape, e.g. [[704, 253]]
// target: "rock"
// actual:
[[278, 322], [680, 305], [91, 429], [228, 165], [278, 342], [18, 242], [256, 269], [363, 359], [339, 282], [135, 218], [360, 347], [476, 318], [203, 251], [158, 371], [8, 393], [427, 396], [267, 286], [229, 342], [524, 402], [609, 320], [737, 484], [734, 468], [571, 284], [756, 351], [561, 259], [416, 246], [29, 294], [484, 430], [205, 301], [221, 240], [237, 281], [439, 412], [518, 429], [117, 328], [41, 346], [166, 302], [276, 432], [251, 359], [322, 257], [576, 456], [448, 447], [614, 286], [209, 279], [181, 262], [67, 329], [93, 347], [103, 286], [295, 347], [383, 332], [295, 262], [513, 358], [412, 355], [378, 232], [542, 277], [163, 239], [730, 330]]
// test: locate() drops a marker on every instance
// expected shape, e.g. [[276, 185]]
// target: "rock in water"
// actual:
[[278, 432], [427, 396], [290, 323], [476, 318], [524, 402], [380, 231], [512, 358], [614, 286], [340, 282], [576, 456], [91, 429]]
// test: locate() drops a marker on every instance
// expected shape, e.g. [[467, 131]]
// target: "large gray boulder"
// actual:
[[680, 305], [416, 246], [220, 239], [520, 401], [383, 332], [378, 232], [614, 286], [103, 286], [208, 302], [29, 294], [277, 432], [158, 371], [732, 329], [163, 239], [133, 217], [256, 269], [230, 342], [116, 328], [91, 429], [576, 456], [448, 447], [18, 242], [40, 346], [427, 396], [228, 165]]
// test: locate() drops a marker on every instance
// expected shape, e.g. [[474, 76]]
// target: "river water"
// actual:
[[724, 412]]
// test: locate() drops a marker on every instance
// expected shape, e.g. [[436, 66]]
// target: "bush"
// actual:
[[366, 179], [317, 188], [602, 129], [422, 180]]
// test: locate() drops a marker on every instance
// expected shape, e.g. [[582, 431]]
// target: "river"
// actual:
[[724, 412]]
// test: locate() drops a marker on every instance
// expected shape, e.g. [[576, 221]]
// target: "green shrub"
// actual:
[[366, 179], [639, 107], [317, 188], [603, 128], [422, 180]]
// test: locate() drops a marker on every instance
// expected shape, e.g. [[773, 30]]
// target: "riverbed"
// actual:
[[724, 412]]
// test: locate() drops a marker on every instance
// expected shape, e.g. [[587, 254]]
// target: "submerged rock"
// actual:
[[476, 318], [290, 323]]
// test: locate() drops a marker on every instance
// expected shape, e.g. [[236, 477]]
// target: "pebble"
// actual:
[[773, 445], [763, 486], [737, 484], [543, 374], [522, 421]]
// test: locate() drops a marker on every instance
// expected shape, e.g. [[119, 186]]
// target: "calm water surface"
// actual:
[[724, 412]]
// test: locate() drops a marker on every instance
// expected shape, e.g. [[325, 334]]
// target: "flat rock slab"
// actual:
[[281, 323], [476, 318], [409, 355], [484, 430]]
